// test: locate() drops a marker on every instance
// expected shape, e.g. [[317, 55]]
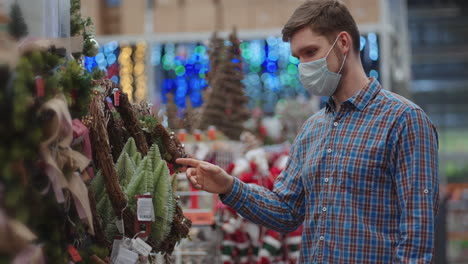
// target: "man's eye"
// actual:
[[310, 52]]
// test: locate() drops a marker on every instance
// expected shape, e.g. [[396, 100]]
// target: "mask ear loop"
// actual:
[[334, 43], [344, 59]]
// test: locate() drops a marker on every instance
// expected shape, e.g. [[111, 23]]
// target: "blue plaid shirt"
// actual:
[[362, 180]]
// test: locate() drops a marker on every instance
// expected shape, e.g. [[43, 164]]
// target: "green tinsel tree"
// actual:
[[17, 28]]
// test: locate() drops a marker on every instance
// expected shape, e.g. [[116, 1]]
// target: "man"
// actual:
[[362, 173]]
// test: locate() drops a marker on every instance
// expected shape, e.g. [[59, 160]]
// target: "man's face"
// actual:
[[307, 45]]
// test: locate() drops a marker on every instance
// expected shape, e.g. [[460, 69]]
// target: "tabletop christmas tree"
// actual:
[[226, 107], [17, 26]]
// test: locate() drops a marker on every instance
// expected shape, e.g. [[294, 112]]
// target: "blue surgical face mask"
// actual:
[[317, 78]]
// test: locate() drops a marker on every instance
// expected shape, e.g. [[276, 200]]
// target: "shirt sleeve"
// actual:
[[282, 209], [416, 179]]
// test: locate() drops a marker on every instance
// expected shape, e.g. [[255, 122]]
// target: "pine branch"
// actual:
[[131, 123], [102, 149]]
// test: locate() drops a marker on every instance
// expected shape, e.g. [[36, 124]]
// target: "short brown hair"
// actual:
[[325, 17]]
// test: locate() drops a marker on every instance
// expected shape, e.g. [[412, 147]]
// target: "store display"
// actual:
[[55, 133]]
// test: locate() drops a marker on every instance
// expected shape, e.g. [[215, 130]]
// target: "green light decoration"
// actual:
[[292, 69], [180, 70], [255, 68], [244, 45], [246, 54], [293, 60], [200, 50]]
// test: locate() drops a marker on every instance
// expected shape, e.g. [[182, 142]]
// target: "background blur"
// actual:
[[158, 49]]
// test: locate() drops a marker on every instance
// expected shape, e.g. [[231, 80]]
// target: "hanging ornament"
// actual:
[[116, 93], [90, 47], [151, 108], [39, 86]]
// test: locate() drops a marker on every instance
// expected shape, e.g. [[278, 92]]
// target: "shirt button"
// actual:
[[324, 209], [335, 124], [326, 179], [322, 238], [329, 150], [426, 191]]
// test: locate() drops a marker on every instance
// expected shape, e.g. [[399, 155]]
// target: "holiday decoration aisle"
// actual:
[[59, 125]]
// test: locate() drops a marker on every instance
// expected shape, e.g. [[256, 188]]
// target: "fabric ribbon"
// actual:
[[58, 157], [81, 131]]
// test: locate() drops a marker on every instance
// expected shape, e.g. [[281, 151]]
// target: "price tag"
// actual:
[[126, 256], [116, 93], [74, 253], [145, 209], [39, 86], [119, 224], [141, 247], [115, 249]]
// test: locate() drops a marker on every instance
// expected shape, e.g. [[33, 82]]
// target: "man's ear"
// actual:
[[345, 42]]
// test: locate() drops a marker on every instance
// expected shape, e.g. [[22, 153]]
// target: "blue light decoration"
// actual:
[[105, 60], [270, 71], [370, 55], [181, 69]]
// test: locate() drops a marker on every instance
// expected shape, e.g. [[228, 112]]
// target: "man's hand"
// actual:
[[206, 176]]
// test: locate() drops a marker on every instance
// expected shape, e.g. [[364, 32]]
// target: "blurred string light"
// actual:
[[370, 54], [362, 43], [374, 73], [184, 68], [126, 70], [373, 47], [270, 71], [139, 72], [105, 60]]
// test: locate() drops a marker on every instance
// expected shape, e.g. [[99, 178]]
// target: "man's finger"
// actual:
[[193, 180], [189, 171], [198, 186], [209, 168], [189, 162]]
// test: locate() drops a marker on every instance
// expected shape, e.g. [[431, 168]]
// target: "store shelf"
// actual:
[[458, 235]]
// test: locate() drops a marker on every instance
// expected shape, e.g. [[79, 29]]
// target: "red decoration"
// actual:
[[212, 133], [197, 135], [263, 131], [116, 96], [39, 86], [181, 135], [194, 199], [74, 253]]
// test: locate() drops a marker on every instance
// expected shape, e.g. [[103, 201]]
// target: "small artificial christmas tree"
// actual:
[[175, 121], [17, 28], [216, 56], [225, 107], [84, 27]]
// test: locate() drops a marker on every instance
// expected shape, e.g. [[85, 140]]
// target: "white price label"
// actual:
[[141, 247], [145, 209], [126, 256], [115, 249]]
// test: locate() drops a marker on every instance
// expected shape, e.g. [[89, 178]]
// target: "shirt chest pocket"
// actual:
[[362, 171]]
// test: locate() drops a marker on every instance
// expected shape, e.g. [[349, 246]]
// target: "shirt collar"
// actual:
[[362, 98]]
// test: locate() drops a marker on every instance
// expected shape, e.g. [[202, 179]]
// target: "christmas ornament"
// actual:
[[90, 47]]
